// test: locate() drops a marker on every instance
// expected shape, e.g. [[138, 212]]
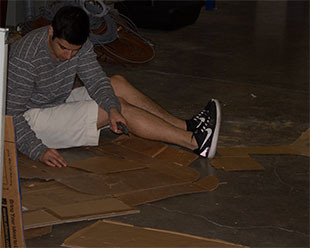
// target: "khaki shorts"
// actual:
[[71, 124]]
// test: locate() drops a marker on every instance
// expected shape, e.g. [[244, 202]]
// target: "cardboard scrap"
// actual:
[[11, 222], [124, 235], [38, 218], [301, 145], [237, 158], [88, 210]]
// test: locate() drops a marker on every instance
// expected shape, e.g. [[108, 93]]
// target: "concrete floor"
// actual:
[[254, 57]]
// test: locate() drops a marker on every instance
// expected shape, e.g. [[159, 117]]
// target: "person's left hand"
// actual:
[[115, 117]]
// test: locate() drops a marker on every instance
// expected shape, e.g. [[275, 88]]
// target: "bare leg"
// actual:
[[134, 97], [146, 125]]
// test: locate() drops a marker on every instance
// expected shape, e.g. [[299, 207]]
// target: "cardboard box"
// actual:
[[12, 225]]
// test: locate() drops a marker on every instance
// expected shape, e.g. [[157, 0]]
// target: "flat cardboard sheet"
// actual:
[[146, 147], [156, 149], [12, 226], [51, 203], [301, 145], [115, 234], [106, 165]]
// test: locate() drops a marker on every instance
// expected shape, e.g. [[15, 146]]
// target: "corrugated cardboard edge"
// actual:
[[37, 232], [59, 215], [93, 226], [12, 234]]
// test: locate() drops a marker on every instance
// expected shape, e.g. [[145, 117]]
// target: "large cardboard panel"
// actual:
[[51, 194], [105, 165], [123, 235], [175, 155], [156, 149], [50, 203], [12, 226], [146, 147], [90, 208], [184, 173]]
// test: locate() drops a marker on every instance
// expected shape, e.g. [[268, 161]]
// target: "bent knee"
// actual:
[[120, 84], [117, 79]]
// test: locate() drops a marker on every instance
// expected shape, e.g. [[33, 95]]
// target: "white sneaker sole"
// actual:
[[212, 150]]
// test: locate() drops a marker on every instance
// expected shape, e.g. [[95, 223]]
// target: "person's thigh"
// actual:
[[79, 94], [67, 125]]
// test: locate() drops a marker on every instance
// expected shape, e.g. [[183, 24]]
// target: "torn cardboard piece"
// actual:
[[74, 212], [124, 235], [11, 223], [238, 159], [298, 147], [301, 145], [51, 203]]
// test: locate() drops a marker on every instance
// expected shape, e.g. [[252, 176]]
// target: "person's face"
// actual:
[[60, 49]]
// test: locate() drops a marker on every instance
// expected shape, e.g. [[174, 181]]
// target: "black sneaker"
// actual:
[[198, 119], [207, 132]]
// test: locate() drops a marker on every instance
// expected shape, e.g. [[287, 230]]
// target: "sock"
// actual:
[[190, 125]]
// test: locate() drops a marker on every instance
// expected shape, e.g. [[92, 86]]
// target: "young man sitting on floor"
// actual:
[[49, 114]]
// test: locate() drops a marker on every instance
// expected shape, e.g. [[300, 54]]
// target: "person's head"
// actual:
[[68, 32]]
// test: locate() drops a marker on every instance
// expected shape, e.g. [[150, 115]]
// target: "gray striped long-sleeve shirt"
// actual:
[[36, 80]]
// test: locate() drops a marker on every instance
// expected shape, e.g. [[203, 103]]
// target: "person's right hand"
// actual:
[[52, 158]]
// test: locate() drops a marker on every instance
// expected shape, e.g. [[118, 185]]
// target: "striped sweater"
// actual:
[[36, 80]]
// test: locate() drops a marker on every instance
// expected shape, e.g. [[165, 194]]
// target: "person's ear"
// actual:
[[51, 31]]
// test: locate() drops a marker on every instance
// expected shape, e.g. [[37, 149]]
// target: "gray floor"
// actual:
[[254, 57]]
